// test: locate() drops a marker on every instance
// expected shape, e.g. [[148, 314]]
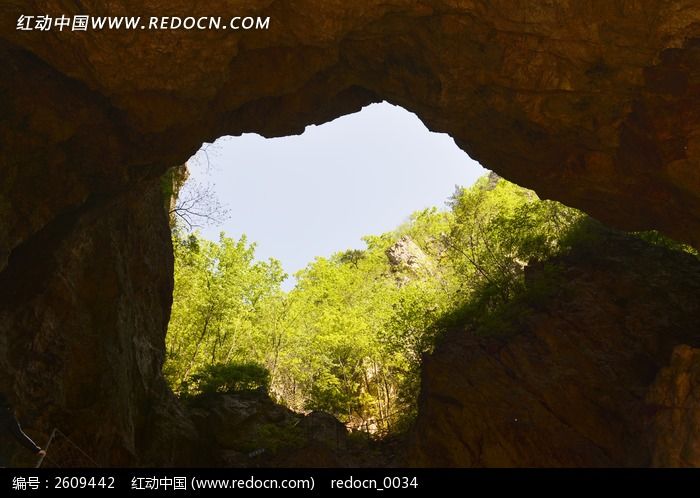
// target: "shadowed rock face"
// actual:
[[568, 382], [596, 104], [674, 400], [248, 429], [84, 308]]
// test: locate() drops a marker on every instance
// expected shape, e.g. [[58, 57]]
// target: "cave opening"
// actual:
[[319, 269], [262, 226]]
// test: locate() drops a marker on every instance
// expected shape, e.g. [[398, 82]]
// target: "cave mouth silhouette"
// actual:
[[603, 119], [358, 175]]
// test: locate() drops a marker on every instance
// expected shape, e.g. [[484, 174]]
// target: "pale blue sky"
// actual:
[[311, 195]]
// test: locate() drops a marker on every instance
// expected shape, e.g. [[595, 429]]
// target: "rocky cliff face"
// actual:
[[596, 104], [674, 402], [85, 305], [575, 381], [591, 103], [248, 429]]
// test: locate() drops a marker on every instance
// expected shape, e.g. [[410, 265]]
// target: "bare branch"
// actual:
[[197, 206]]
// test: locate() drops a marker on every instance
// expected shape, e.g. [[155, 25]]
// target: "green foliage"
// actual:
[[225, 306], [654, 237], [229, 377], [497, 232], [350, 337], [491, 317]]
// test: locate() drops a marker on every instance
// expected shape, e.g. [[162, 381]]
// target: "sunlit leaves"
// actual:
[[350, 337]]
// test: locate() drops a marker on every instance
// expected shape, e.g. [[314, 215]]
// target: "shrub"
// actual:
[[230, 377]]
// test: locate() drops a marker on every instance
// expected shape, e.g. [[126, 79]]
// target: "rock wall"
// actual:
[[84, 306], [248, 429], [568, 384], [674, 401], [593, 103]]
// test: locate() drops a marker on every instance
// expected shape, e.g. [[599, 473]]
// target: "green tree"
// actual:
[[497, 231], [350, 337], [220, 307]]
